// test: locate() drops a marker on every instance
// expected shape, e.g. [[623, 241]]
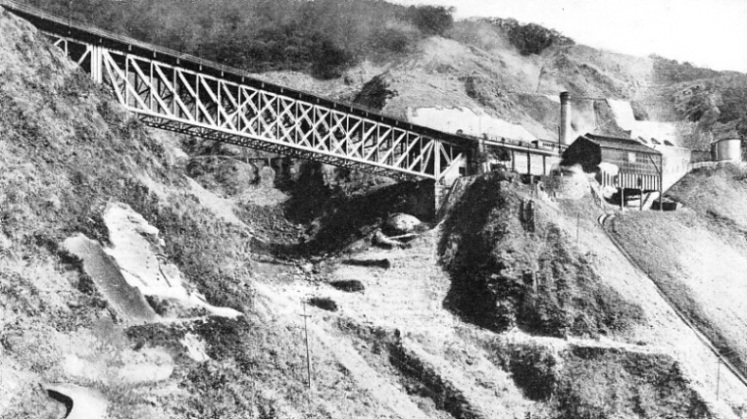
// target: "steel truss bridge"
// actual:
[[188, 95]]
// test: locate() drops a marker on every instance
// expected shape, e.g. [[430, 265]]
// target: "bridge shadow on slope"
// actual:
[[348, 208]]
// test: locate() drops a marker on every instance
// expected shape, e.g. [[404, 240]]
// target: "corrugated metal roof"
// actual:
[[625, 144]]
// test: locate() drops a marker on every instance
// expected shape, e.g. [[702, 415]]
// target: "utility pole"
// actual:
[[306, 335], [661, 181], [718, 377]]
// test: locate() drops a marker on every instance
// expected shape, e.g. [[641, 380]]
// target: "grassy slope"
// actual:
[[67, 150], [699, 255], [583, 289]]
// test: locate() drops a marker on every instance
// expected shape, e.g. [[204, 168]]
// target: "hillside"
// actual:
[[145, 275], [697, 256], [478, 67]]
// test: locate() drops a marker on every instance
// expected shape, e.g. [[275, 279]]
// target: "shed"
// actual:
[[638, 165]]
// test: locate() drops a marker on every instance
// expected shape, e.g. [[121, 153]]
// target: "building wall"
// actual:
[[676, 164], [632, 161], [532, 164], [629, 180], [727, 150], [468, 121]]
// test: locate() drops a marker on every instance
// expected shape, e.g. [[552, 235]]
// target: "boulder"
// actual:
[[401, 224], [267, 176], [325, 303], [221, 173]]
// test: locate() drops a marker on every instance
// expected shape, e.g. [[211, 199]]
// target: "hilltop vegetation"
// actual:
[[321, 37], [531, 38]]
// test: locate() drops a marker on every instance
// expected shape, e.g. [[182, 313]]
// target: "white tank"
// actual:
[[727, 150]]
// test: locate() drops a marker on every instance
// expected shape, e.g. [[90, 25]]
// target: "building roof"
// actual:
[[625, 144]]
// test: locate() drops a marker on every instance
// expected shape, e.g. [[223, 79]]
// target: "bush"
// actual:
[[534, 369], [391, 39], [325, 303], [330, 60], [432, 20], [351, 285], [533, 38]]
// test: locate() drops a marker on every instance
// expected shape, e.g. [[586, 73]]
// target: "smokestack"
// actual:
[[565, 119]]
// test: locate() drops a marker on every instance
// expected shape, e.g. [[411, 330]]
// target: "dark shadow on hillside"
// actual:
[[469, 264], [369, 263], [336, 218], [506, 273]]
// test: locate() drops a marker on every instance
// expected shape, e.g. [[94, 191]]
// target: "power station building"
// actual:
[[636, 165]]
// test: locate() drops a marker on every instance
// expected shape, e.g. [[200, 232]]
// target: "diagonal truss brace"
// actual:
[[179, 99]]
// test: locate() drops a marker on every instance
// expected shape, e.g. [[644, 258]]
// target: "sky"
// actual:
[[708, 33]]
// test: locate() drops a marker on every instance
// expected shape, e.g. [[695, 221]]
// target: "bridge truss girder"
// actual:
[[178, 99]]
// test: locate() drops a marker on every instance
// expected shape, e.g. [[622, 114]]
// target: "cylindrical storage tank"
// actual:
[[727, 150]]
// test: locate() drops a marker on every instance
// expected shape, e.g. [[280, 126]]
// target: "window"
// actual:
[[631, 157]]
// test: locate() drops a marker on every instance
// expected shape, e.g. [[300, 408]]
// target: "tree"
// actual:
[[432, 20]]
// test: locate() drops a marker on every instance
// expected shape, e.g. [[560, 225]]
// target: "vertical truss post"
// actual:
[[437, 163]]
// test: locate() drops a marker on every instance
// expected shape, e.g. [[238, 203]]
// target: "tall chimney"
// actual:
[[565, 119]]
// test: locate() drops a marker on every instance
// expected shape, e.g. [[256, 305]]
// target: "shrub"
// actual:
[[534, 369], [330, 60], [325, 303], [533, 38], [432, 20]]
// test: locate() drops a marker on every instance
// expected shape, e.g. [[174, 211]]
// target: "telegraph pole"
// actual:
[[306, 335], [718, 376], [660, 172]]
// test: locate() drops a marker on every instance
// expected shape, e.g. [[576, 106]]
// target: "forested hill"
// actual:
[[320, 37]]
